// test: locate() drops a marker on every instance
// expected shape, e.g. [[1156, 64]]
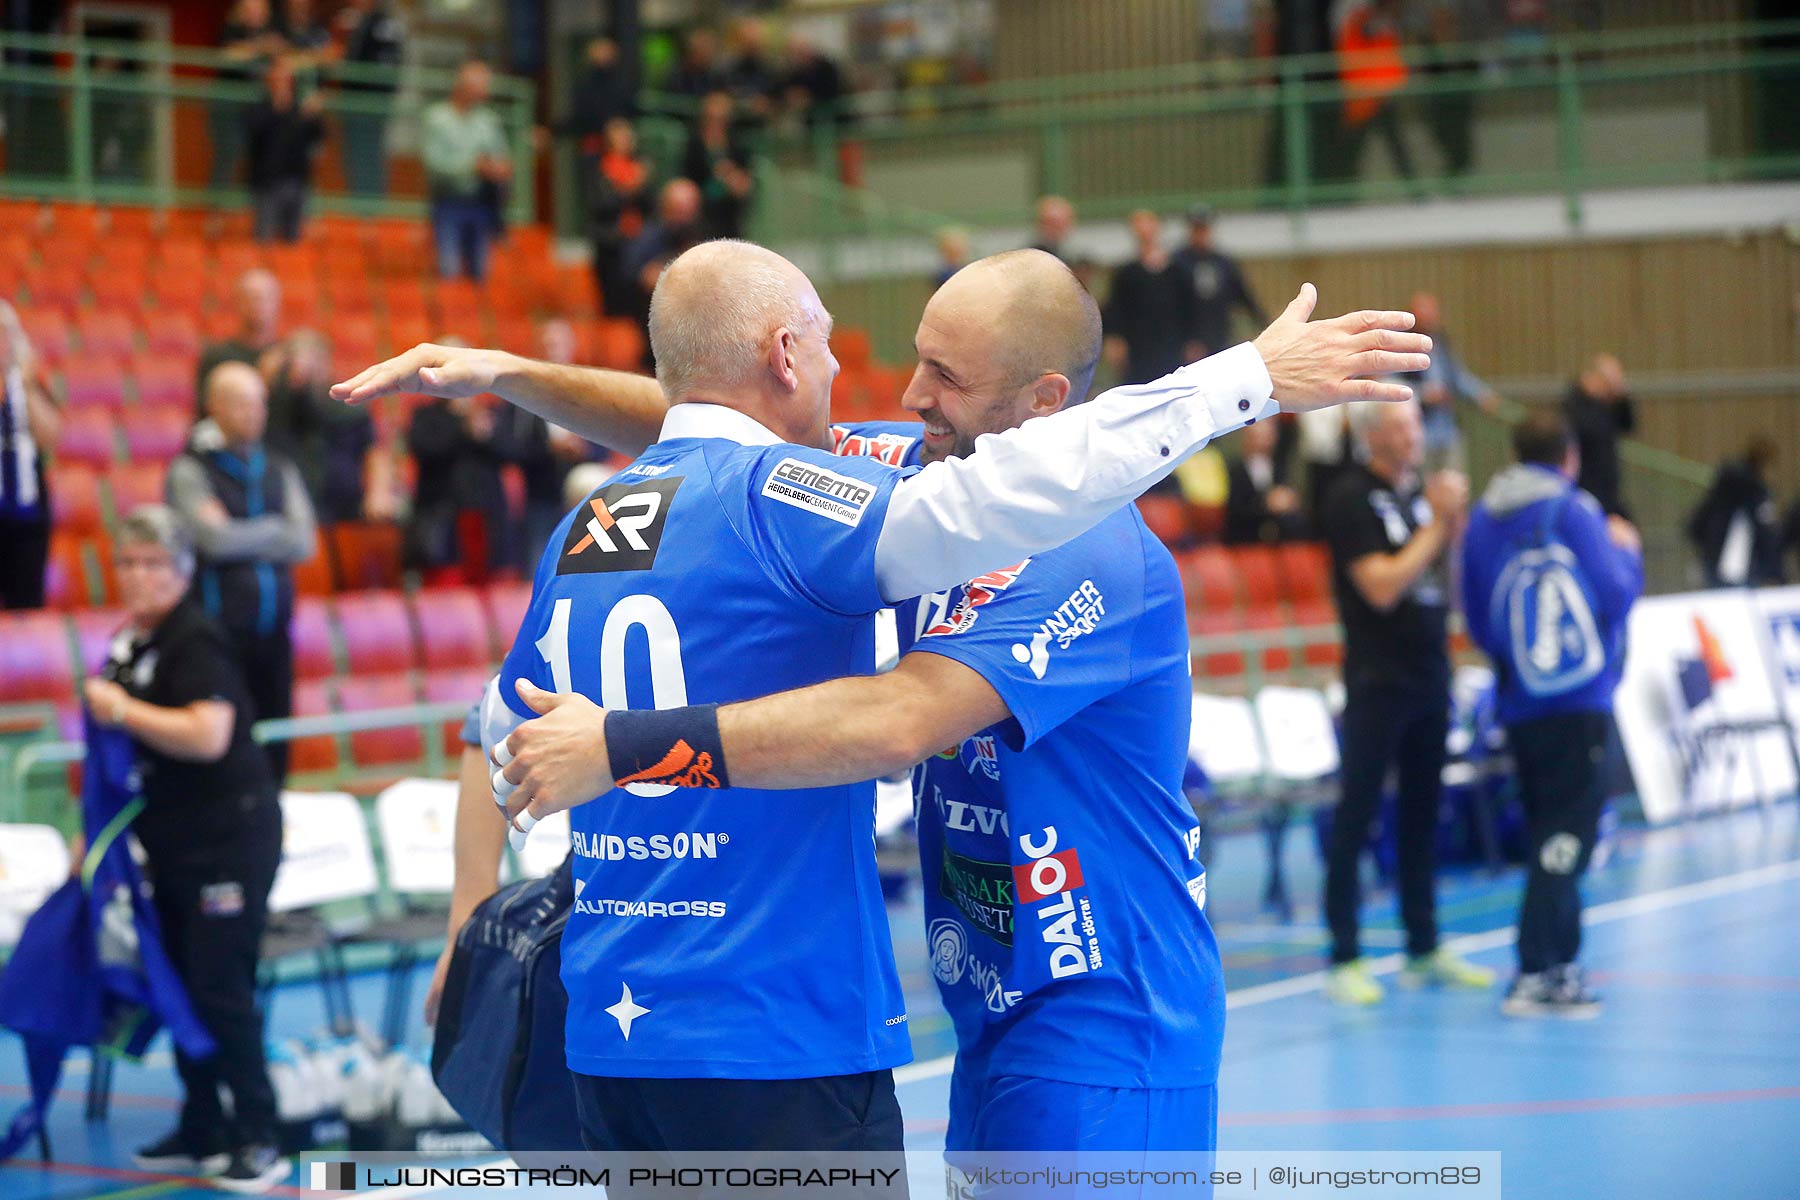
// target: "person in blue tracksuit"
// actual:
[[1548, 580]]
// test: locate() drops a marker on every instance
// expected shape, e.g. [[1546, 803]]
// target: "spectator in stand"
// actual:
[[621, 199], [1371, 69], [1735, 528], [1600, 410], [953, 253], [813, 88], [1055, 222], [284, 137], [247, 509], [348, 476], [257, 298], [751, 78], [30, 425], [466, 162], [698, 73], [373, 37], [1260, 506], [1442, 387], [1556, 636], [676, 228], [1147, 316], [544, 454], [250, 38], [1790, 533], [718, 160], [1217, 286], [1390, 541], [602, 95], [310, 48], [459, 504]]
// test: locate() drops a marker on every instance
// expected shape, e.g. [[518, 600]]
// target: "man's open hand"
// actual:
[[453, 372], [555, 761], [1315, 364]]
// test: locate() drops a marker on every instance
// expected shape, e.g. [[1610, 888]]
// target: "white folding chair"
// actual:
[[325, 859], [34, 861]]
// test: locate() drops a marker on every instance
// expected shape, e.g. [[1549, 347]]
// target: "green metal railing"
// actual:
[[146, 124]]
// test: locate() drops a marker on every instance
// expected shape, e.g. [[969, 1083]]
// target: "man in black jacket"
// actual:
[[284, 134], [1599, 408], [1149, 311], [1734, 528]]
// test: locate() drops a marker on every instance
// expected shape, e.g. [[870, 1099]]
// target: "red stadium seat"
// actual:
[[1209, 580], [354, 336], [133, 222], [516, 335], [118, 285], [136, 483], [347, 287], [74, 498], [34, 659], [618, 343], [506, 605], [576, 293], [1257, 576], [15, 247], [367, 554], [93, 383], [179, 292], [382, 747], [165, 382], [462, 686], [75, 221], [408, 330], [1266, 620], [318, 752], [234, 258], [1325, 649], [94, 632], [453, 631], [1219, 663], [65, 579], [108, 332], [1305, 571], [378, 635], [219, 325], [87, 437], [48, 330], [852, 347], [311, 634], [181, 255], [157, 433], [313, 577], [175, 334], [292, 262], [1167, 518], [56, 284]]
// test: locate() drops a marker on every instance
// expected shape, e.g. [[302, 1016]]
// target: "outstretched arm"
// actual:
[[841, 731], [615, 409]]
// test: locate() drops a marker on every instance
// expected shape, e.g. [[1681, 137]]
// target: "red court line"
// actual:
[[128, 1175], [1512, 1108], [1747, 983], [124, 1099]]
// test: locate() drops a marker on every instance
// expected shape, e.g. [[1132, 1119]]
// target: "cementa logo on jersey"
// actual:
[[1051, 880], [618, 528]]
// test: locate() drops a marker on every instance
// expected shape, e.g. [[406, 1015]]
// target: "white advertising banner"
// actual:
[[1780, 608], [1698, 708]]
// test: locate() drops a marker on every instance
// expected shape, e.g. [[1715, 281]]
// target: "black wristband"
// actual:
[[677, 747]]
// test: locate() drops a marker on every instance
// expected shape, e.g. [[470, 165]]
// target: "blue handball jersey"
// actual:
[[733, 933], [1064, 898]]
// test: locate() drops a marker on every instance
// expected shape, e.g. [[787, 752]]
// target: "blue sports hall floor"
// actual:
[[1688, 1085]]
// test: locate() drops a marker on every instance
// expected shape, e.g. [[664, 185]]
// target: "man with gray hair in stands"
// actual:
[[1390, 535], [251, 521]]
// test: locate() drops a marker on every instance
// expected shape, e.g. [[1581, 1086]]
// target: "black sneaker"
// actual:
[[1558, 992], [176, 1155], [253, 1170], [1573, 995]]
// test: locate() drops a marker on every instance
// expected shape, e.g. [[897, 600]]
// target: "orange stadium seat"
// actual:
[[134, 222], [122, 285], [377, 633], [65, 579], [313, 577], [15, 246], [1257, 575], [576, 293], [453, 631], [408, 330], [111, 333], [618, 343], [57, 284], [1208, 579], [1305, 571], [74, 498], [175, 334], [292, 260], [87, 437], [354, 335], [93, 383], [219, 324], [311, 633], [318, 752], [460, 686], [516, 335], [34, 659], [181, 290], [179, 252], [301, 300], [1167, 518], [852, 347], [382, 747], [94, 632], [137, 483], [506, 605], [348, 290], [75, 221], [158, 433], [405, 297], [234, 257], [48, 330], [367, 554]]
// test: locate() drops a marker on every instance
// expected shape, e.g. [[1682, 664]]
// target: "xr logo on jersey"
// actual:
[[618, 528]]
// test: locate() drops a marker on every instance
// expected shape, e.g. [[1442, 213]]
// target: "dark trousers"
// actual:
[[268, 662], [1559, 761], [365, 153], [280, 207], [213, 909], [1385, 122], [461, 227], [1386, 727], [24, 549]]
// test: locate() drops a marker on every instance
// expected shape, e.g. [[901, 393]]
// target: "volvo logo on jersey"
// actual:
[[618, 528]]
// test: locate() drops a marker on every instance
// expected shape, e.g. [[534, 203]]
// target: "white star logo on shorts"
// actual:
[[626, 1011]]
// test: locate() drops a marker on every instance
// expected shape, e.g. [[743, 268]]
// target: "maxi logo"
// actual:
[[618, 528], [890, 448], [1066, 920], [659, 846], [975, 593], [981, 891], [823, 493], [1075, 617], [613, 907]]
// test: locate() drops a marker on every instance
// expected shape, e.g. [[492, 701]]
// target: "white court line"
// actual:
[[1471, 943]]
